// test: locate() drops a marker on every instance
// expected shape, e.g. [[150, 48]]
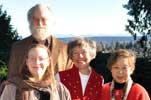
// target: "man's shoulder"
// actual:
[[23, 42], [27, 39], [58, 41]]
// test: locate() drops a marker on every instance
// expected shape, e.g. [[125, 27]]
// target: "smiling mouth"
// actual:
[[81, 61], [120, 78], [36, 67]]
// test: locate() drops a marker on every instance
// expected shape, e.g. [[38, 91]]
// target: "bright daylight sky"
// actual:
[[74, 17]]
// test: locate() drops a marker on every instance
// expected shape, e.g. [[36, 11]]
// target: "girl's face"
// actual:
[[81, 57], [37, 62], [121, 70]]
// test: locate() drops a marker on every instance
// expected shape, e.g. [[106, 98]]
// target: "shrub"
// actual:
[[3, 71]]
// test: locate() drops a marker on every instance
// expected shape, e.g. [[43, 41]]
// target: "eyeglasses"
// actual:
[[40, 59], [76, 53], [124, 69]]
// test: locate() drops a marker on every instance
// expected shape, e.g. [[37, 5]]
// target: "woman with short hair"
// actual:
[[122, 64]]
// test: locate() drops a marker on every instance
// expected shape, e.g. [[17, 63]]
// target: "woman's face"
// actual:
[[81, 57], [121, 70], [37, 62]]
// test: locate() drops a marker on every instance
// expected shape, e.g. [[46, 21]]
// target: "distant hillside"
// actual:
[[107, 39], [104, 39]]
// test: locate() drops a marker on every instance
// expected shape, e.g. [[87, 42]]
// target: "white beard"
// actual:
[[39, 33]]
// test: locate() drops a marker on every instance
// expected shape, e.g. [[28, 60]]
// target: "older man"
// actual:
[[41, 20]]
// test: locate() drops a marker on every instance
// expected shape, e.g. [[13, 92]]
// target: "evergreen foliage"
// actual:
[[8, 35], [140, 17]]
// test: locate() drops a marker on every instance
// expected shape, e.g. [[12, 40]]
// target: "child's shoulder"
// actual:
[[138, 87]]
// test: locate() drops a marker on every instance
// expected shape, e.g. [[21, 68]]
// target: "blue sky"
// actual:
[[74, 17]]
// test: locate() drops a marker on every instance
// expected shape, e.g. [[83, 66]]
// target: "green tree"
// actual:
[[140, 17], [8, 35]]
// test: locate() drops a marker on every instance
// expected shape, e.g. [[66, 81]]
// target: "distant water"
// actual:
[[105, 39]]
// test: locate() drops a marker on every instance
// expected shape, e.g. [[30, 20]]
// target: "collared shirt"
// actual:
[[48, 42]]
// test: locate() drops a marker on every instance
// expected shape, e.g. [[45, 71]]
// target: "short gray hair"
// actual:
[[80, 41]]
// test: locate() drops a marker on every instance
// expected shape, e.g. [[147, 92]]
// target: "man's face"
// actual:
[[41, 23]]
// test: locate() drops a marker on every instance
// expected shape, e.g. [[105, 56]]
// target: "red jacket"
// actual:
[[137, 92], [71, 79]]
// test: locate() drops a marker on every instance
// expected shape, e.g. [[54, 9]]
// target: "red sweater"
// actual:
[[71, 79], [137, 92]]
